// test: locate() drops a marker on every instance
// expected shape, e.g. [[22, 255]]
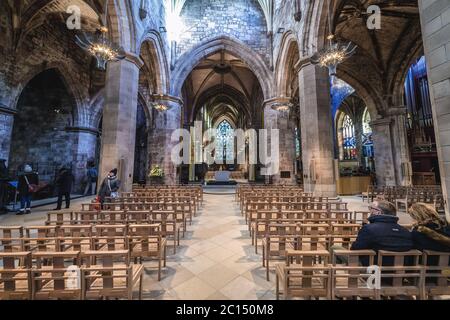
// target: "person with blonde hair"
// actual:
[[430, 232]]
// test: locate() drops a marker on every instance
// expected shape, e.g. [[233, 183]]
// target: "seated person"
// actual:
[[383, 232], [430, 231]]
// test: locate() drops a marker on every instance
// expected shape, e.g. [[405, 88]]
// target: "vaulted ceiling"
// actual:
[[384, 55], [221, 75]]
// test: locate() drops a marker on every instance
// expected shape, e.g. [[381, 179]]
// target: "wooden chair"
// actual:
[[109, 274], [278, 239], [349, 278], [404, 276], [53, 278], [145, 241], [110, 237], [306, 278], [76, 237], [437, 273], [59, 218], [41, 238], [11, 239], [15, 276], [113, 217], [87, 217]]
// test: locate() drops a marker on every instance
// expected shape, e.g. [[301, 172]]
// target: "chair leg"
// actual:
[[277, 287], [141, 280], [159, 269]]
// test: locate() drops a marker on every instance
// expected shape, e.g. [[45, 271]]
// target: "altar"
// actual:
[[222, 176]]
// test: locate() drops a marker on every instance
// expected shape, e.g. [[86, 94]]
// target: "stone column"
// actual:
[[6, 126], [401, 154], [84, 148], [160, 145], [316, 130], [382, 145], [281, 120], [119, 119], [435, 18]]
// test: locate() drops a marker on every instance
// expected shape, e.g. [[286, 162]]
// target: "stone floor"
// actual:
[[215, 260]]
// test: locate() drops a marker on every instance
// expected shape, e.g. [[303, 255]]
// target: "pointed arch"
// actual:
[[189, 60]]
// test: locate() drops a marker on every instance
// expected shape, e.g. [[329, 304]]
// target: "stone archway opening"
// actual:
[[42, 135], [222, 88]]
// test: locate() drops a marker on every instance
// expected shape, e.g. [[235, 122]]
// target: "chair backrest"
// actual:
[[106, 273], [349, 278], [15, 277], [53, 275], [401, 273], [437, 272], [59, 218], [10, 238]]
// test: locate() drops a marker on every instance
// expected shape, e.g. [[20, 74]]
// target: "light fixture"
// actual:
[[282, 106], [98, 45], [334, 53], [162, 29], [159, 106], [281, 30]]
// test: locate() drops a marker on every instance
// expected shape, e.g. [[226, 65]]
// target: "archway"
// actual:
[[41, 131], [222, 88]]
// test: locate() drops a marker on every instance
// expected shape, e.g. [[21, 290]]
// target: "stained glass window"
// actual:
[[225, 142], [367, 141], [349, 141]]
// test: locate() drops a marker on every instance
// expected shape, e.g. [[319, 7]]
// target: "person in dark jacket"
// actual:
[[4, 186], [64, 182], [430, 231], [383, 232], [109, 187], [27, 181]]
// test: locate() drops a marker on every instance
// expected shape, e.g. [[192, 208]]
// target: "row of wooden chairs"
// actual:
[[141, 241], [69, 275], [311, 274], [279, 238], [173, 226], [187, 208]]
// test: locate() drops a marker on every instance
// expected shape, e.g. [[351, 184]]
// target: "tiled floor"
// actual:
[[215, 261]]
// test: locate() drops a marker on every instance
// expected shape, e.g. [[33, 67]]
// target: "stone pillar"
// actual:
[[6, 126], [402, 156], [435, 18], [160, 145], [84, 148], [281, 120], [119, 119], [319, 174], [382, 145]]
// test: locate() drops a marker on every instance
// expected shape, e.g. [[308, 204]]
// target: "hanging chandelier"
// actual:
[[283, 106], [98, 44], [335, 52], [159, 106]]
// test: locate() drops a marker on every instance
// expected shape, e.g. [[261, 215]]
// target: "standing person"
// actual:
[[4, 177], [64, 183], [91, 180], [28, 183], [109, 187]]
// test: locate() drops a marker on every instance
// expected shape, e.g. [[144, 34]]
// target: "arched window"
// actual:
[[348, 138], [367, 141], [224, 142]]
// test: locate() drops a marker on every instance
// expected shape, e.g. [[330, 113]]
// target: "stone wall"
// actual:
[[435, 18], [240, 19]]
